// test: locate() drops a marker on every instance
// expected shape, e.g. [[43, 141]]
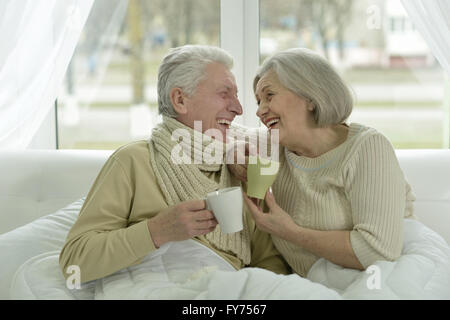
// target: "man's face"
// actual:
[[214, 102]]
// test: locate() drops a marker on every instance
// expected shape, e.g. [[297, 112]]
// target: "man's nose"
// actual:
[[236, 107]]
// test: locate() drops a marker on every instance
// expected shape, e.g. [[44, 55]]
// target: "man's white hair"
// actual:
[[184, 67]]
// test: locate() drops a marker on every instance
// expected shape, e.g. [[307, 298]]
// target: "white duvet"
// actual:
[[188, 270]]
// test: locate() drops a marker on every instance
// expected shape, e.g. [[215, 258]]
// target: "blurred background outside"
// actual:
[[109, 97]]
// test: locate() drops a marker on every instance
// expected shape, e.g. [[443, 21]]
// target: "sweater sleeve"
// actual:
[[101, 241], [376, 190]]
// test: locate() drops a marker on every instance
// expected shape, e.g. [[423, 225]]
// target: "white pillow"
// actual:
[[45, 234]]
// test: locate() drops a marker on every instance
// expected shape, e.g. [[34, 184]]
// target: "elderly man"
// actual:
[[143, 199]]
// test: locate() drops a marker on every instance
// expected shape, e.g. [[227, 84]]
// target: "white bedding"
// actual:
[[187, 270], [178, 270], [45, 234]]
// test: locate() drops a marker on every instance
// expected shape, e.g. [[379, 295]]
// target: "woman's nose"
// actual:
[[262, 110]]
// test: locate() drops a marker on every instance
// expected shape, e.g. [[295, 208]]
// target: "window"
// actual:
[[109, 97], [398, 83]]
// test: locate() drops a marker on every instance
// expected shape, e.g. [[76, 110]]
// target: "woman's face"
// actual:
[[279, 108]]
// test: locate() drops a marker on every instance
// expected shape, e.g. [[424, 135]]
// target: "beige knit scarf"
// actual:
[[184, 180]]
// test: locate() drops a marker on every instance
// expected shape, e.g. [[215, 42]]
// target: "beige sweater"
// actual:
[[358, 186], [111, 231]]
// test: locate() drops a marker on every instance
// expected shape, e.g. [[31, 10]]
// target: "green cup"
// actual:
[[261, 174]]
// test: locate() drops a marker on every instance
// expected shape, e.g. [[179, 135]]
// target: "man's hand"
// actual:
[[239, 171], [181, 222], [237, 160]]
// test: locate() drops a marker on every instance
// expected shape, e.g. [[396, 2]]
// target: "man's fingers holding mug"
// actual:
[[204, 215], [205, 224], [192, 205]]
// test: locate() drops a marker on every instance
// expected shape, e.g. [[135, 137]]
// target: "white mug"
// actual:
[[227, 206]]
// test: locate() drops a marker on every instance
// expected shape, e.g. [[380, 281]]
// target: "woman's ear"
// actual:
[[178, 99]]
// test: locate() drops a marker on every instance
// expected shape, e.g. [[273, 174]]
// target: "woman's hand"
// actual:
[[276, 221], [333, 245]]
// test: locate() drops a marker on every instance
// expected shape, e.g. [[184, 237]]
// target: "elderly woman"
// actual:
[[340, 193]]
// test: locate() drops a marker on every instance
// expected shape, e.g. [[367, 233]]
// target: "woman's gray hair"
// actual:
[[184, 67], [312, 77]]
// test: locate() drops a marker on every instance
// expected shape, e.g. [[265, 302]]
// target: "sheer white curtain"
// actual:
[[432, 20], [37, 41]]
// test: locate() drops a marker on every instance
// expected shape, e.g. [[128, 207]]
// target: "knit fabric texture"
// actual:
[[358, 186], [179, 155]]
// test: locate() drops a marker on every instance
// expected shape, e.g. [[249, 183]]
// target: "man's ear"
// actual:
[[178, 99], [310, 105]]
